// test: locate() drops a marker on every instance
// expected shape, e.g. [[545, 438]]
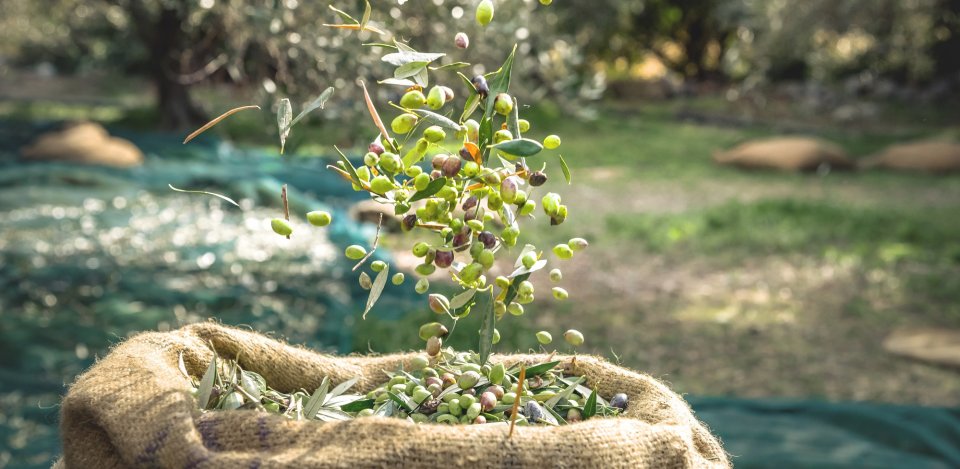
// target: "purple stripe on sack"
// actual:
[[255, 464], [149, 455], [208, 432], [263, 431]]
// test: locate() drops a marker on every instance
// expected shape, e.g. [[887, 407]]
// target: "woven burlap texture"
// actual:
[[134, 409]]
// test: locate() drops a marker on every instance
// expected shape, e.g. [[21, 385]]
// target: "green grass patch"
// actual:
[[736, 230]]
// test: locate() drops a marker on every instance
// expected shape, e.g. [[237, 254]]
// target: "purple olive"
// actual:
[[443, 259], [470, 203], [438, 160], [480, 83], [537, 178], [461, 40], [619, 401], [451, 167], [488, 239], [408, 222], [376, 147], [488, 401]]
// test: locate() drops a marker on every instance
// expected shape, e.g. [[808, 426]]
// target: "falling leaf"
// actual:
[[228, 199], [484, 304], [565, 169], [284, 117], [317, 103], [376, 289], [217, 121]]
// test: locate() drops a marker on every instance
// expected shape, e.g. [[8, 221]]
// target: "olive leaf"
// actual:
[[472, 103], [342, 387], [565, 394], [554, 417], [525, 271], [284, 117], [462, 299], [228, 199], [431, 189], [348, 167], [520, 147], [376, 289], [358, 405], [523, 252], [513, 120], [437, 119], [403, 57], [206, 383], [541, 368], [565, 169], [387, 409], [402, 400], [452, 65], [590, 407], [514, 286], [182, 366], [398, 82], [344, 15], [366, 16], [500, 83], [332, 415], [484, 304], [316, 400], [409, 69], [317, 103]]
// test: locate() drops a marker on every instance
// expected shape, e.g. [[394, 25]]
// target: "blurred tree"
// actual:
[[278, 46]]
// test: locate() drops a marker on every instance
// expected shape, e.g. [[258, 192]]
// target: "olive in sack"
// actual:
[[433, 346], [619, 401], [468, 379], [533, 411]]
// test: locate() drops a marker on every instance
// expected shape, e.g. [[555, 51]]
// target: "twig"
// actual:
[[376, 241], [286, 204], [516, 403]]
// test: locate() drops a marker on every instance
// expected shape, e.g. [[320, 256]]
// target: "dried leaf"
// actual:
[[385, 136], [228, 199], [217, 121]]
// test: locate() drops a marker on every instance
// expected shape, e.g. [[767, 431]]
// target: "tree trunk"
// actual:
[[175, 107]]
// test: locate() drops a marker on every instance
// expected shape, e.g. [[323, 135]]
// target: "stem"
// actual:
[[516, 403], [286, 205]]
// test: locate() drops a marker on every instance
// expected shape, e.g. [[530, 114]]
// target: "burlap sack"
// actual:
[[134, 409], [932, 157], [786, 153], [84, 142]]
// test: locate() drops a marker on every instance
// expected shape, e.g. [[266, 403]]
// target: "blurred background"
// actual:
[[770, 190]]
